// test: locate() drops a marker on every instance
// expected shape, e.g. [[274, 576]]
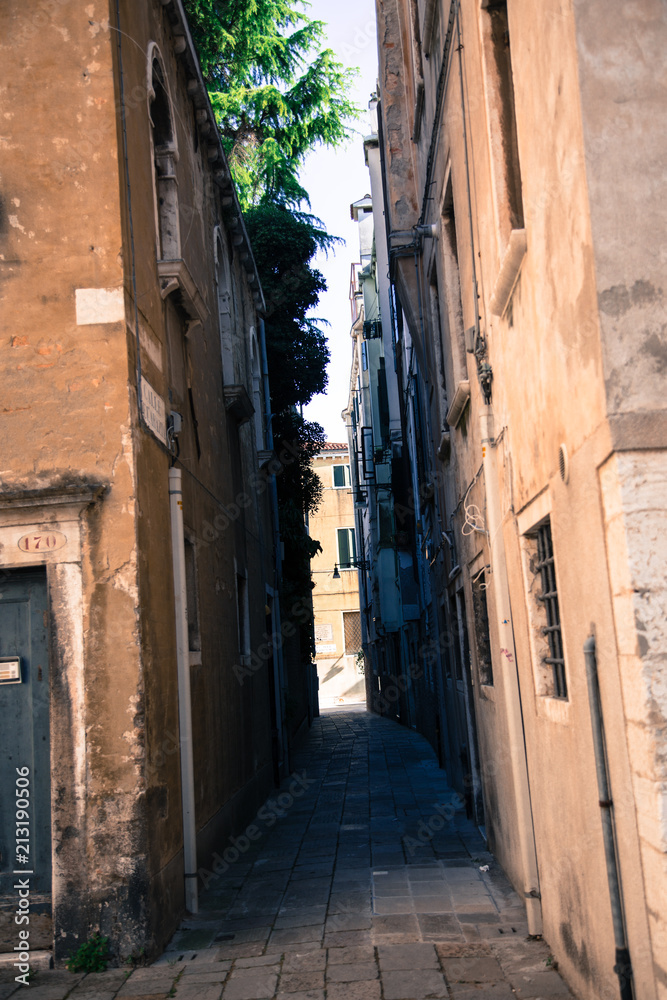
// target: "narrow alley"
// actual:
[[360, 879]]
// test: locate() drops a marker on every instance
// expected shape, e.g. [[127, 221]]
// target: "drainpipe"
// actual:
[[281, 691], [514, 712], [623, 967], [184, 703]]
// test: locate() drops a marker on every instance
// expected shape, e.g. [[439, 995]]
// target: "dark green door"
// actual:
[[25, 833]]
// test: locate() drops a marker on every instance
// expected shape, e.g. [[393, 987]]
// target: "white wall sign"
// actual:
[[323, 633], [99, 305], [329, 647], [153, 410]]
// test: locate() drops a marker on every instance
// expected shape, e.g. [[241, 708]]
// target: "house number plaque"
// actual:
[[46, 541]]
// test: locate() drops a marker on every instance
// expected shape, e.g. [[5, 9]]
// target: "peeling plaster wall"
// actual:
[[395, 113], [68, 363], [225, 502], [624, 112], [66, 420], [634, 486], [577, 360]]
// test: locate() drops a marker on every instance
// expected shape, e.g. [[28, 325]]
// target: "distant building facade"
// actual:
[[338, 640], [389, 582], [523, 327], [140, 687]]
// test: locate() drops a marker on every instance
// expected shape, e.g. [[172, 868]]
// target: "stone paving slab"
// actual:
[[198, 991], [473, 969], [302, 995], [407, 956], [486, 991], [413, 985], [355, 991]]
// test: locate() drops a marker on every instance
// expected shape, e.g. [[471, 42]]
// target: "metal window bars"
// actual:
[[549, 596]]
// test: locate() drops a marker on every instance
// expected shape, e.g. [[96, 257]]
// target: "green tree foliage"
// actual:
[[284, 243], [276, 92], [299, 492]]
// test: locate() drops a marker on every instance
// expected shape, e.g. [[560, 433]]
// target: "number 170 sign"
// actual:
[[47, 541]]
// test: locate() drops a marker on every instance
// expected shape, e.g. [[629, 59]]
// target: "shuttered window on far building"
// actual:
[[352, 630], [347, 550], [341, 476]]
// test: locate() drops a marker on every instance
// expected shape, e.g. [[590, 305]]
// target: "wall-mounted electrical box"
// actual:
[[10, 670]]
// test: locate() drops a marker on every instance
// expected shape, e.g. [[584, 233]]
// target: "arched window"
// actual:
[[165, 158], [225, 307], [257, 391]]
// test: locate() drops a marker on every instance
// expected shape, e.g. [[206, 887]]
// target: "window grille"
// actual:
[[352, 630], [481, 638], [549, 597]]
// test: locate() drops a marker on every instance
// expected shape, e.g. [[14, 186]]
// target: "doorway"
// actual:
[[25, 778], [465, 753]]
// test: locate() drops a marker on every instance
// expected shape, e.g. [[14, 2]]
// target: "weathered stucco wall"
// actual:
[[624, 115], [66, 420], [340, 681], [576, 361], [69, 362], [633, 486], [225, 502]]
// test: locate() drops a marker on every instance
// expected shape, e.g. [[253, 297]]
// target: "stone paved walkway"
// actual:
[[360, 880]]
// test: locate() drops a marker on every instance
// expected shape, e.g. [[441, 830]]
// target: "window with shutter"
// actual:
[[341, 476], [347, 551]]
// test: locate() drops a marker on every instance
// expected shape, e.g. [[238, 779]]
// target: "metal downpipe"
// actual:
[[184, 696], [623, 967]]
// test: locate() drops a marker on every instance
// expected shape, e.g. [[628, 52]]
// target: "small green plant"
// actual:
[[92, 956], [136, 959], [172, 991], [361, 662], [32, 974]]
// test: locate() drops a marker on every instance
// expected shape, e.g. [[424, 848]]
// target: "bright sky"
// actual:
[[334, 179]]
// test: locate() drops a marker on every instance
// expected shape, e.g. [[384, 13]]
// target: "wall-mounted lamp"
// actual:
[[361, 564], [336, 574]]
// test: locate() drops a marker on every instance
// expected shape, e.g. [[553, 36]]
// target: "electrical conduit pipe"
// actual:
[[514, 713], [184, 702]]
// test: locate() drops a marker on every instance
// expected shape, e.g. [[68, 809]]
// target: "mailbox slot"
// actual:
[[10, 669]]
